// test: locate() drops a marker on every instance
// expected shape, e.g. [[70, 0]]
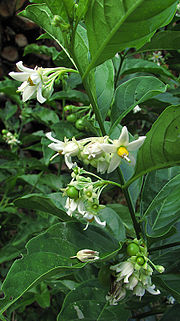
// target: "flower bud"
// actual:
[[86, 255], [159, 268]]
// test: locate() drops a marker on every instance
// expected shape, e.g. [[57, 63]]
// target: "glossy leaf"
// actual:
[[104, 80], [159, 150], [163, 40], [153, 184], [49, 254], [113, 26], [79, 304], [171, 282], [130, 66], [42, 15], [51, 204], [133, 92], [164, 210]]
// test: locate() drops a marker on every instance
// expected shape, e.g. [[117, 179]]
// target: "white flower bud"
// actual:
[[86, 255]]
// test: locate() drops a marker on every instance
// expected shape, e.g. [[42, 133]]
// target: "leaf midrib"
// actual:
[[112, 33]]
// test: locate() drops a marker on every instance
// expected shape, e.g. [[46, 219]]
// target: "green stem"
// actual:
[[166, 246], [130, 205], [119, 70]]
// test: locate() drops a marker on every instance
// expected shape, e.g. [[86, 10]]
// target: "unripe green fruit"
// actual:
[[80, 124], [132, 249], [71, 118], [140, 260], [68, 108], [72, 192]]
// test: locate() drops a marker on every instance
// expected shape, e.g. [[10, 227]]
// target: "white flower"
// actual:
[[66, 148], [71, 205], [32, 82], [136, 109], [120, 149], [124, 270], [93, 149]]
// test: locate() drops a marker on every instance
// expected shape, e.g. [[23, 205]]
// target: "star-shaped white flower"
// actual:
[[120, 149], [32, 82]]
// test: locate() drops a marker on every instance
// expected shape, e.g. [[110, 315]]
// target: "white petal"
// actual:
[[68, 161], [28, 92], [151, 290], [139, 290], [81, 208], [98, 221], [124, 137], [49, 135], [40, 97], [23, 68], [20, 76], [126, 279], [58, 147], [136, 144], [114, 163], [108, 148]]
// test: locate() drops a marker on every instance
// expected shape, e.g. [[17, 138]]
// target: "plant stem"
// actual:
[[166, 246], [130, 205], [119, 70]]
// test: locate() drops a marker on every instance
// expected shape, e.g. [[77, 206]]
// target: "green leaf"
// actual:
[[45, 115], [163, 40], [88, 302], [164, 210], [154, 182], [159, 150], [133, 92], [49, 254], [72, 95], [51, 204], [132, 65], [104, 79], [114, 223], [171, 282], [172, 313], [113, 25], [42, 15]]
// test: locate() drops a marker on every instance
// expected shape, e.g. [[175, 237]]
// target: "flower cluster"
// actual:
[[38, 81], [10, 139], [134, 274], [83, 197], [102, 153]]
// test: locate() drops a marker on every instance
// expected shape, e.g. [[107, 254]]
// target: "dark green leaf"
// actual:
[[132, 93], [163, 40], [104, 79], [113, 25], [160, 147], [41, 14], [88, 302], [132, 65], [164, 210], [49, 254], [172, 313], [51, 204]]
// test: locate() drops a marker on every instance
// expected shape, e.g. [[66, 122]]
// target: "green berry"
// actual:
[[132, 249], [68, 108], [71, 118], [80, 124], [72, 192], [140, 260]]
